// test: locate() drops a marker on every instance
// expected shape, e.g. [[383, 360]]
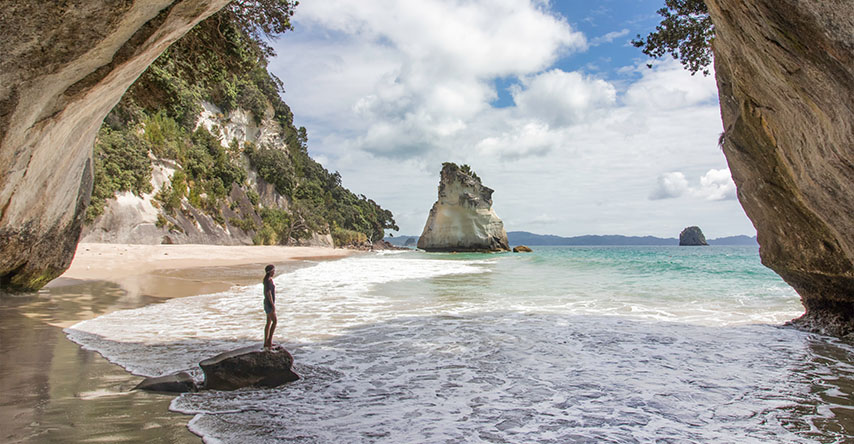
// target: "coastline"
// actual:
[[137, 268], [52, 390]]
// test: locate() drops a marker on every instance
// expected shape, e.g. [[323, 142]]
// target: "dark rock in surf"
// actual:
[[521, 249], [180, 382], [249, 366], [692, 236]]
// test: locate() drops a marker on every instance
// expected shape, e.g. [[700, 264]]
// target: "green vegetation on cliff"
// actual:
[[223, 61]]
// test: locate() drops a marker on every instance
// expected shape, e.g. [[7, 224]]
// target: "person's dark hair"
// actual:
[[268, 269]]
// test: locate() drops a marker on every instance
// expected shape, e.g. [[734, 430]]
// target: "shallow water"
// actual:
[[609, 344], [51, 391]]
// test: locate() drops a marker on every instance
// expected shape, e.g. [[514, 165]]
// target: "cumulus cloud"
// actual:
[[714, 185], [423, 69], [531, 139], [670, 185], [667, 87], [402, 87], [562, 98], [717, 185]]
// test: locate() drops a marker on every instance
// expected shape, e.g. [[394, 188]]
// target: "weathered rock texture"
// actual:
[[249, 366], [462, 219], [692, 236], [180, 382], [785, 74], [64, 65]]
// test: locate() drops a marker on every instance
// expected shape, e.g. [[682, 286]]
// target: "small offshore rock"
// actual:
[[180, 382], [522, 249], [692, 236], [249, 366]]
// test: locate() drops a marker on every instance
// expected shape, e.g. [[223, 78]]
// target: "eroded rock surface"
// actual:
[[462, 219], [785, 74], [692, 237], [64, 66], [180, 382], [249, 366]]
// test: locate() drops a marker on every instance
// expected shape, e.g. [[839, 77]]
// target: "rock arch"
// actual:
[[64, 66]]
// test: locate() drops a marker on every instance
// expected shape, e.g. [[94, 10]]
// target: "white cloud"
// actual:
[[531, 139], [670, 87], [389, 91], [609, 37], [714, 185], [562, 98], [407, 76], [670, 185], [717, 185]]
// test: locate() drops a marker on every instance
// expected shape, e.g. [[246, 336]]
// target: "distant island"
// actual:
[[526, 238]]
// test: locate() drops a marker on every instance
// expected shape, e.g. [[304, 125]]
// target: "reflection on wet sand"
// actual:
[[52, 391]]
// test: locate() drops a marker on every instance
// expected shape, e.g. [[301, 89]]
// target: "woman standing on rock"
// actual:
[[269, 305]]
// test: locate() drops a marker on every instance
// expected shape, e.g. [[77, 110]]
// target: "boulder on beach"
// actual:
[[692, 236], [522, 249], [462, 219], [180, 382], [249, 366]]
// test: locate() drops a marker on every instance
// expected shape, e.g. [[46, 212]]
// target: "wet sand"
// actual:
[[53, 391]]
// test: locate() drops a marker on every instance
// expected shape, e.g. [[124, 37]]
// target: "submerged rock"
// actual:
[[180, 382], [522, 249], [462, 219], [249, 366], [785, 75], [692, 236]]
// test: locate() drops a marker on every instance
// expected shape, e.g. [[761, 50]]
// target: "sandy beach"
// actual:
[[51, 390], [114, 261], [169, 271]]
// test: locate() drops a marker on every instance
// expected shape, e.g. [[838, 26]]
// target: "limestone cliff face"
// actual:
[[64, 66], [140, 220], [462, 219], [785, 74]]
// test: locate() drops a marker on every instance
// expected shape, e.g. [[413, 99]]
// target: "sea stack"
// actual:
[[462, 219], [692, 236]]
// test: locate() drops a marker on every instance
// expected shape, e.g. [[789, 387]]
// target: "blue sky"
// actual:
[[547, 101]]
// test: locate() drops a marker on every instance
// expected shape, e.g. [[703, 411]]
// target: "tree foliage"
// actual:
[[223, 60], [261, 19], [121, 164], [685, 32]]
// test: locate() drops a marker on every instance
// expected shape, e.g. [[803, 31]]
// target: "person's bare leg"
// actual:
[[267, 335], [273, 321]]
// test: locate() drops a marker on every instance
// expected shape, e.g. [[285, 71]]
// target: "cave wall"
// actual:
[[64, 66], [785, 74]]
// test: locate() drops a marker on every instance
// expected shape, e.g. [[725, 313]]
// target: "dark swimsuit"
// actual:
[[269, 285]]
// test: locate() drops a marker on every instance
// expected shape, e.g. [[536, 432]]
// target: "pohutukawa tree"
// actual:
[[685, 32]]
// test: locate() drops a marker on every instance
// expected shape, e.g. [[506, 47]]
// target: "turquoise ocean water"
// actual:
[[563, 345]]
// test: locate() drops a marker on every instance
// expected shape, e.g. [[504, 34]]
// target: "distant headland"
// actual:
[[530, 239]]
